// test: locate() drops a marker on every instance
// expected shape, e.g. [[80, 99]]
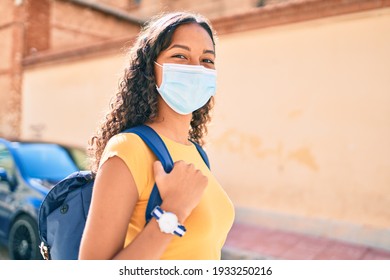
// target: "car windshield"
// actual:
[[45, 161]]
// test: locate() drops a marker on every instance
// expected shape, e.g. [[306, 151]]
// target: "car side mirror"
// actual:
[[6, 179], [3, 175]]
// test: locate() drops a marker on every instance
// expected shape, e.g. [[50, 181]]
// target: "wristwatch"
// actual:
[[168, 222]]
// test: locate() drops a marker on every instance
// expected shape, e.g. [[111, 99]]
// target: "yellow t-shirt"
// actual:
[[209, 223]]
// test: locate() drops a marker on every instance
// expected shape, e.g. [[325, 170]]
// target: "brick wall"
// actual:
[[311, 142], [11, 44], [29, 28], [211, 9], [292, 11], [127, 5], [37, 26], [75, 25]]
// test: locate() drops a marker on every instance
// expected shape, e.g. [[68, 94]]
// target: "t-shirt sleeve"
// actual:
[[134, 152]]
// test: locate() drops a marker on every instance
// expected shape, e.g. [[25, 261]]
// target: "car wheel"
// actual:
[[23, 240]]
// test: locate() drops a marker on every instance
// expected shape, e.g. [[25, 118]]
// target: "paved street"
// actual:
[[3, 253], [254, 242]]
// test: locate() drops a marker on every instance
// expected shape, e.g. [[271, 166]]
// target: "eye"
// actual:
[[179, 56], [206, 60]]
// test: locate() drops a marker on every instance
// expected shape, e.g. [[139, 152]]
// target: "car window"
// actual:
[[45, 161], [7, 162]]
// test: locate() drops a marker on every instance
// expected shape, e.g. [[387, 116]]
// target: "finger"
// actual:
[[179, 163]]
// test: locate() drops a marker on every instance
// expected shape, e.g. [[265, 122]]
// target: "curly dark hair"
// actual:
[[135, 102]]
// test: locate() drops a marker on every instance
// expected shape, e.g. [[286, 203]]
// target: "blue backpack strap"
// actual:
[[157, 145], [202, 153]]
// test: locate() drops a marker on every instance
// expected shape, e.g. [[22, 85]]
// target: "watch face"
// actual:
[[168, 222]]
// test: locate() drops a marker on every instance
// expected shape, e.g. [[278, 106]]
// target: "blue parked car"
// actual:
[[27, 172]]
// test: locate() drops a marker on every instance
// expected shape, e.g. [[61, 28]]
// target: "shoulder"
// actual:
[[122, 140], [128, 146]]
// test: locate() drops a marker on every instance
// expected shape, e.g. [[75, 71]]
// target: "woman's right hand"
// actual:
[[181, 190]]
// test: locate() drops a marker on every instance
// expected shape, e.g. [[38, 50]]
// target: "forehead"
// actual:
[[192, 34]]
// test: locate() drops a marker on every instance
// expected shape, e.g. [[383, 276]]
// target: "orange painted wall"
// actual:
[[301, 124]]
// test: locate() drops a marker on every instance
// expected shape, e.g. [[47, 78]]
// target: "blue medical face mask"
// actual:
[[186, 88]]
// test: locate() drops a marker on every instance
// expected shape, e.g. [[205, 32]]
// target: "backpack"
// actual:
[[63, 212]]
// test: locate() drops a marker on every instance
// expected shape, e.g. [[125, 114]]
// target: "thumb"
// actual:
[[158, 169]]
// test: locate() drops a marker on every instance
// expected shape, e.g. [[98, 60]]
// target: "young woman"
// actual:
[[169, 86]]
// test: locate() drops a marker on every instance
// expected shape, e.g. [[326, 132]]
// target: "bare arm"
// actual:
[[114, 198]]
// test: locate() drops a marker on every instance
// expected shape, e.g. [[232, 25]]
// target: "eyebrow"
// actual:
[[188, 49]]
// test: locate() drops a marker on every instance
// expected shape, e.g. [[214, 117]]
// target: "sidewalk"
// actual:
[[254, 242]]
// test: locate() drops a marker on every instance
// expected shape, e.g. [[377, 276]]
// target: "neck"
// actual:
[[172, 125]]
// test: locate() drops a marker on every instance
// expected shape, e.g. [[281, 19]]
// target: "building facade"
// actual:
[[301, 126]]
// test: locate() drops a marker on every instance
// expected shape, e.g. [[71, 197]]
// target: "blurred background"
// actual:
[[300, 136]]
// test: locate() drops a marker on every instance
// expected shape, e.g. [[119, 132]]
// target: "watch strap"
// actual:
[[180, 230], [157, 212]]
